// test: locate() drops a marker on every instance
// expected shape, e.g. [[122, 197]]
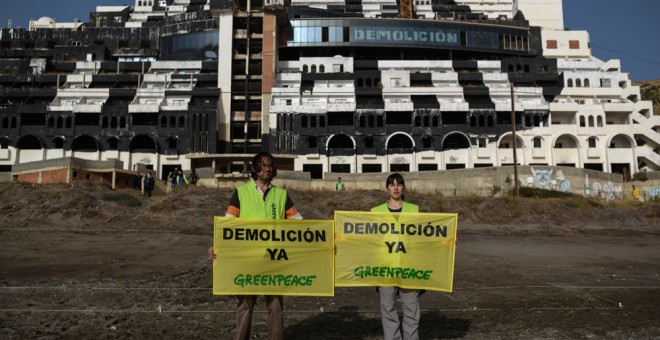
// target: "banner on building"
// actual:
[[273, 257], [408, 250]]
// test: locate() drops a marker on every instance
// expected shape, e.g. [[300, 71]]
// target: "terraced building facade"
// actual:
[[332, 86]]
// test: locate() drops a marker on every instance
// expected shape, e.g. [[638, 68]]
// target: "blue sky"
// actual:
[[626, 30]]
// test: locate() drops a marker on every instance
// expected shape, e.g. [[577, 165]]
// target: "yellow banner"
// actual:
[[407, 250], [273, 257]]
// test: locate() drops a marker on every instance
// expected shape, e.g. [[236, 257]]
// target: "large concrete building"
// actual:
[[327, 86]]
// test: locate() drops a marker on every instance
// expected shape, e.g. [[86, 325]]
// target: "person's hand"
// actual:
[[212, 254]]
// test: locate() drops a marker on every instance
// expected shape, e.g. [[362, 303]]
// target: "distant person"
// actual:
[[340, 185], [409, 298], [173, 177], [635, 193], [250, 201], [149, 183], [194, 177], [137, 181], [181, 178]]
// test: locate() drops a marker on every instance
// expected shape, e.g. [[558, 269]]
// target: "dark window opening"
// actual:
[[399, 167], [341, 168], [31, 119], [367, 168], [427, 167], [113, 143], [340, 119], [398, 118], [84, 143], [454, 118], [369, 142], [145, 118], [88, 119], [399, 141], [315, 170]]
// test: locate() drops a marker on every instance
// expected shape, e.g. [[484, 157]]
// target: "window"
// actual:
[[303, 121], [574, 44], [324, 34], [395, 82], [582, 122], [117, 20], [369, 142], [537, 142], [337, 68], [586, 82], [570, 82], [311, 142], [481, 142], [592, 142]]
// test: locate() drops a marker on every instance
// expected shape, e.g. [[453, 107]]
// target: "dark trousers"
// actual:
[[244, 316]]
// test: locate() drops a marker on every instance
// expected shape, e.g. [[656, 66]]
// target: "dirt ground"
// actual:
[[86, 262]]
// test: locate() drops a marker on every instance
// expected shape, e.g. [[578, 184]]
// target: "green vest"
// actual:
[[407, 208], [253, 204]]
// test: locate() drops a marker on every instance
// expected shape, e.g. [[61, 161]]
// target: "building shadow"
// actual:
[[348, 323]]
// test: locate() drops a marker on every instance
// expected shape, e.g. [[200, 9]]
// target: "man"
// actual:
[[194, 177], [340, 185], [635, 193], [173, 177], [149, 183], [260, 199]]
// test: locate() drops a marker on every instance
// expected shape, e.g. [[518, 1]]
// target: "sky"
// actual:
[[626, 30]]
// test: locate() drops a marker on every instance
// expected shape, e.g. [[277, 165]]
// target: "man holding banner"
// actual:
[[398, 249], [260, 199]]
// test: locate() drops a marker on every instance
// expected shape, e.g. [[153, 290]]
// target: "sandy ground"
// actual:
[[86, 262]]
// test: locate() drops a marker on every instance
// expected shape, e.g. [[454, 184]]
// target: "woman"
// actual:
[[388, 295]]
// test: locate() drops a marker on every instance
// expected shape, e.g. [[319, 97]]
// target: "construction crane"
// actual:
[[406, 9]]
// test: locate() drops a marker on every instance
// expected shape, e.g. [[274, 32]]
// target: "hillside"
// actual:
[[650, 90]]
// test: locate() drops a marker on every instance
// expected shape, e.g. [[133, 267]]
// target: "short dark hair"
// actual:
[[257, 162]]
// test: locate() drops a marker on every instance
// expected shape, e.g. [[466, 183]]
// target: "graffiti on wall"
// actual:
[[543, 179], [610, 191], [653, 193]]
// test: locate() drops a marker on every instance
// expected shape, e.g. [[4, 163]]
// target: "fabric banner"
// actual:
[[273, 257], [408, 250]]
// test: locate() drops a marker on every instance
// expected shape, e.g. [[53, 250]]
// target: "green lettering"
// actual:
[[310, 279], [238, 280]]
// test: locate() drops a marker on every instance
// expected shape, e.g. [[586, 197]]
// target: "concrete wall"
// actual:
[[492, 181]]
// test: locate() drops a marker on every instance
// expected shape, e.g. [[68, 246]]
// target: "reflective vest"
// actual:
[[407, 208], [253, 205]]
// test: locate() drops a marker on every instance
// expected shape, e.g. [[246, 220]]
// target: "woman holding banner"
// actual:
[[392, 329]]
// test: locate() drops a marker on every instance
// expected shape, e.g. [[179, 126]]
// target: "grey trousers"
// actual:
[[244, 316], [392, 329]]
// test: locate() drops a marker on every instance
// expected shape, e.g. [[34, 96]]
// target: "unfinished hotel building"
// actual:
[[327, 86]]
